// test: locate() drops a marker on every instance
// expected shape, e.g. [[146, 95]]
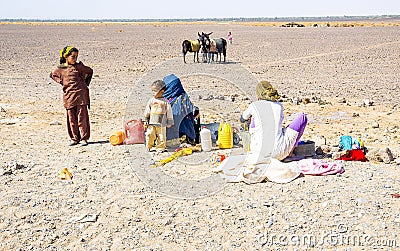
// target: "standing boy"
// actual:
[[158, 116]]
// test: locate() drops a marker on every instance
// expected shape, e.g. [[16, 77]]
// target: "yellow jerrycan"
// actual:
[[225, 136]]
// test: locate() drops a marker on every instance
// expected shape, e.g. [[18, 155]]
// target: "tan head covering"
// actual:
[[158, 85], [266, 91]]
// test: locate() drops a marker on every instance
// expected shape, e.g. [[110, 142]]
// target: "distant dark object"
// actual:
[[292, 24], [315, 25]]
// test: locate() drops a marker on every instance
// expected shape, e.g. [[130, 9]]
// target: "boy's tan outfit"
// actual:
[[158, 113]]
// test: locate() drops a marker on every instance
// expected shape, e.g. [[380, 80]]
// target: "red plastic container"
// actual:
[[134, 132]]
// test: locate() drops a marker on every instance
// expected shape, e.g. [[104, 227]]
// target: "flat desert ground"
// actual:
[[346, 79]]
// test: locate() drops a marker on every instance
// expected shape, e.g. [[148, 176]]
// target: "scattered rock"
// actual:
[[323, 149], [336, 155], [11, 167], [305, 101], [375, 125], [386, 155], [380, 155], [270, 222], [55, 122], [367, 102], [209, 97], [9, 121]]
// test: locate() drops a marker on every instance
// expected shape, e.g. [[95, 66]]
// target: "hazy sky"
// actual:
[[126, 9]]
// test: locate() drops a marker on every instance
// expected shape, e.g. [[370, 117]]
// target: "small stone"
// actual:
[[305, 101], [367, 102], [296, 101], [55, 122], [337, 155], [374, 155], [361, 200], [386, 155], [318, 151], [270, 222], [209, 97], [375, 125], [9, 121], [168, 222]]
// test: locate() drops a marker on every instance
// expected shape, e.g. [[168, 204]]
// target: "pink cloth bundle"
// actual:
[[319, 167]]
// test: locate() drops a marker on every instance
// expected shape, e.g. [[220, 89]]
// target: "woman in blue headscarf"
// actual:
[[182, 110]]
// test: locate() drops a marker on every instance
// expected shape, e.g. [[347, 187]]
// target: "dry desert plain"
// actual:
[[346, 79]]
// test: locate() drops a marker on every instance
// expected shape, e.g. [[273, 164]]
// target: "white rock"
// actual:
[[55, 122]]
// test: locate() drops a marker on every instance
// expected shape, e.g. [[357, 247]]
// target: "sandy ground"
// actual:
[[338, 69]]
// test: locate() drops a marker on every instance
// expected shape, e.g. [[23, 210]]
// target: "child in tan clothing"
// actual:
[[158, 116]]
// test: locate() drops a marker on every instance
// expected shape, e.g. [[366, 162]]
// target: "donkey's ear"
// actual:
[[209, 33], [198, 34]]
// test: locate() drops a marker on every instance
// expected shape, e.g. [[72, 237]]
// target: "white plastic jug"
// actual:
[[205, 138]]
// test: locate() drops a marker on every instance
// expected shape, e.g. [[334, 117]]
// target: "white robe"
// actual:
[[269, 144], [268, 139]]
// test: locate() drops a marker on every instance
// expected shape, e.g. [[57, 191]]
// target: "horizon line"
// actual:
[[233, 19]]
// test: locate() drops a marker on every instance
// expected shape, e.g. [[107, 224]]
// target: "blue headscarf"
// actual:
[[182, 109], [174, 87]]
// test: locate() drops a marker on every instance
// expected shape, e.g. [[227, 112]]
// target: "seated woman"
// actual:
[[270, 139], [182, 110], [269, 144]]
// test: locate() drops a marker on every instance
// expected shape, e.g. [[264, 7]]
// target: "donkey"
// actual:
[[192, 46], [214, 46]]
